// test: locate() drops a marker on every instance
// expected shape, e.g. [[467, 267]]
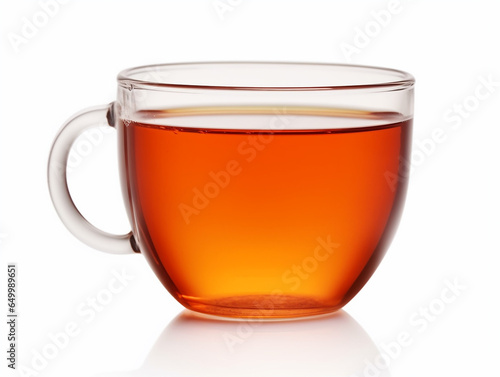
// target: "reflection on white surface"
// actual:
[[195, 345]]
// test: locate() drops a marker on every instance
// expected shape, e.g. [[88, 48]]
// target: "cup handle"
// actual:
[[58, 184]]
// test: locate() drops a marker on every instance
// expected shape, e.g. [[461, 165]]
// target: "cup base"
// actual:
[[260, 306]]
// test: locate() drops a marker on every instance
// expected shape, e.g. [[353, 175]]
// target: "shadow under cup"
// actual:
[[263, 189]]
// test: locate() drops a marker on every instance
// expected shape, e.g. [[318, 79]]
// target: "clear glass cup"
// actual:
[[263, 190]]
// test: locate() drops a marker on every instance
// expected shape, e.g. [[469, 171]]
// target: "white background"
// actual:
[[448, 234]]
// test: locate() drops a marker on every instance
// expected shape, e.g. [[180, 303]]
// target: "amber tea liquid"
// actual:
[[260, 212]]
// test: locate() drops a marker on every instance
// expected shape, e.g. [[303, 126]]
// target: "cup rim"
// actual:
[[396, 79]]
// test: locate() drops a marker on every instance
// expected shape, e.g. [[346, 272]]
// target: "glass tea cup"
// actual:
[[254, 190]]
